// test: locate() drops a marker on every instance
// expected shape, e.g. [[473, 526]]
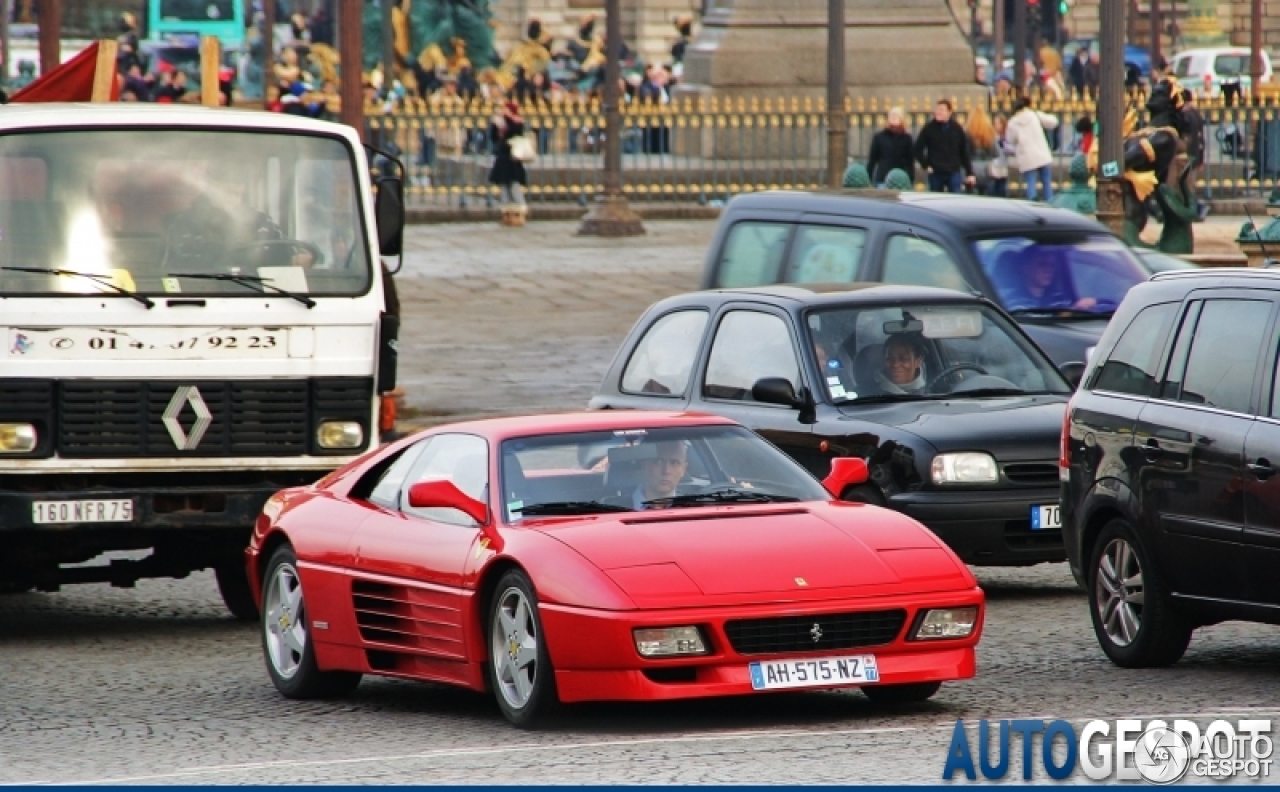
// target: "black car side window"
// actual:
[[748, 347], [664, 357], [1224, 354], [825, 255], [912, 261], [752, 254], [1132, 366], [1172, 385]]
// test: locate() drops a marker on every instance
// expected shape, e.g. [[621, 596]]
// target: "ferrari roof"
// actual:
[[591, 421]]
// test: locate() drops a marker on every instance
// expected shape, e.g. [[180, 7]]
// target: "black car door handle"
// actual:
[[1261, 468]]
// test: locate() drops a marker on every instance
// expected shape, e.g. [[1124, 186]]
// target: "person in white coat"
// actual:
[[1025, 136]]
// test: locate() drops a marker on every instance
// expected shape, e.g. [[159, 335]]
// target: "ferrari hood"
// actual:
[[718, 552]]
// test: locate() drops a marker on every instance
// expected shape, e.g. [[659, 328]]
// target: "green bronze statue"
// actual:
[[456, 28], [856, 177], [1180, 208], [1079, 197], [897, 179]]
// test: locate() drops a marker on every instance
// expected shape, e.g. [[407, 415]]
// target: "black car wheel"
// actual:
[[286, 636], [1133, 618], [901, 694], [233, 585], [519, 663]]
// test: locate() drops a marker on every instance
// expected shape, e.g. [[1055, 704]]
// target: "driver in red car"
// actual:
[[662, 474]]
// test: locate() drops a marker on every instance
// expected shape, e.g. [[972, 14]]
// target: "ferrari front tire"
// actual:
[[901, 694], [519, 663], [286, 636]]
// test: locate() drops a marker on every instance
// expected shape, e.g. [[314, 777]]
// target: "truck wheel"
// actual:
[[233, 585]]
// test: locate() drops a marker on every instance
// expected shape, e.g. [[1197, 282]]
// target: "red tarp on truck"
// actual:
[[88, 77]]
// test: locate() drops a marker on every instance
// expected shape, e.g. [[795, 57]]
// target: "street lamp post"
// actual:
[[352, 63], [268, 47], [1020, 46], [837, 120], [1255, 48], [612, 216], [388, 43], [50, 35], [1111, 104]]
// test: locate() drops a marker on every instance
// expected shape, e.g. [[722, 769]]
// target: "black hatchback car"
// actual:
[[956, 411], [1171, 463], [1060, 274]]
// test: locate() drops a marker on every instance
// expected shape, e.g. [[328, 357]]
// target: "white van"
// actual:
[[1204, 71]]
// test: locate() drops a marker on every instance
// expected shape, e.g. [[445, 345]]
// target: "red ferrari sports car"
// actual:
[[604, 556]]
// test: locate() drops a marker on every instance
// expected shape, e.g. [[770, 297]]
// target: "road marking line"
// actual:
[[525, 748]]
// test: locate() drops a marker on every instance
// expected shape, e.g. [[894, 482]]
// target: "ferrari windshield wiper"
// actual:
[[571, 507], [101, 280], [727, 495], [250, 281]]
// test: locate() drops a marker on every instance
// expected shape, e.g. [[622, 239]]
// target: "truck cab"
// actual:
[[193, 316]]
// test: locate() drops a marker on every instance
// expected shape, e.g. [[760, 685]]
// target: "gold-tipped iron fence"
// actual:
[[706, 151]]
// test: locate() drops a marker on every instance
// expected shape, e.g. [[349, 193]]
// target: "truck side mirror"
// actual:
[[388, 210]]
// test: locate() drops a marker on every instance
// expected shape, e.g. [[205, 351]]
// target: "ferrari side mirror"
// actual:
[[444, 494], [845, 472]]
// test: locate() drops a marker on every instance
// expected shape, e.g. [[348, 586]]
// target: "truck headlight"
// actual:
[[966, 468], [669, 641], [340, 434], [946, 623], [17, 438]]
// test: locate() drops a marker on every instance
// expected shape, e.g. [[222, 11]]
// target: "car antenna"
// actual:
[[1266, 257]]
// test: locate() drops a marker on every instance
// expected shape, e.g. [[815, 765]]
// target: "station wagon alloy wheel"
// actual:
[[285, 622], [1120, 595]]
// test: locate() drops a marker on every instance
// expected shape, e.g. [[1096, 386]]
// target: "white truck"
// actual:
[[193, 315]]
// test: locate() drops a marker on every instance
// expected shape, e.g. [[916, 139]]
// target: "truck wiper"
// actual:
[[101, 280], [250, 281]]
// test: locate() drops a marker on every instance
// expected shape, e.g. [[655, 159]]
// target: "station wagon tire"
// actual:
[[233, 585], [287, 649], [1133, 618], [520, 671], [901, 694]]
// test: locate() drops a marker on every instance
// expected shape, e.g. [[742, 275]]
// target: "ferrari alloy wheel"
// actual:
[[1132, 616], [286, 643], [901, 694], [520, 671]]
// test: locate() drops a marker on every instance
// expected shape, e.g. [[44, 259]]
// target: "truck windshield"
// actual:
[[142, 208]]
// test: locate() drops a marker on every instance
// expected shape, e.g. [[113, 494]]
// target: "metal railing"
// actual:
[[708, 151]]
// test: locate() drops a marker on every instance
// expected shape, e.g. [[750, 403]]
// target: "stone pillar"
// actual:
[[1201, 27], [895, 50]]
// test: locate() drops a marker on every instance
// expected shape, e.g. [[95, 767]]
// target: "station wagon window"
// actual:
[[459, 458], [748, 347], [825, 255], [918, 262], [1132, 366], [1224, 354], [752, 254], [664, 358]]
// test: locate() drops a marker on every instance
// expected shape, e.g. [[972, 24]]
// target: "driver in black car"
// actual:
[[219, 221], [661, 474], [1043, 285], [903, 365]]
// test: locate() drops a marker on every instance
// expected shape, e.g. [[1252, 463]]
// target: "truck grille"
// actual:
[[97, 419], [797, 633]]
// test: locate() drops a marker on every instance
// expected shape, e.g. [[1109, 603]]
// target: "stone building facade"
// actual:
[[647, 25]]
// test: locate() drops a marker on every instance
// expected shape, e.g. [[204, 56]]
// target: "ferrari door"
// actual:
[[407, 587]]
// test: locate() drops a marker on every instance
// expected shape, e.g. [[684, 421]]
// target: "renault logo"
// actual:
[[816, 633], [187, 394]]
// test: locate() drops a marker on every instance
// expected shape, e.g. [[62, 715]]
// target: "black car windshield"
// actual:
[[1071, 277], [162, 215], [925, 351], [641, 469]]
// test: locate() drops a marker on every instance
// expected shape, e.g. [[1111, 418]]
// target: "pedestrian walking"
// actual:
[[942, 149], [891, 148], [989, 164], [1026, 137], [508, 170]]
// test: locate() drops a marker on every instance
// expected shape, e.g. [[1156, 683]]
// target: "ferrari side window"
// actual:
[[460, 458], [386, 493]]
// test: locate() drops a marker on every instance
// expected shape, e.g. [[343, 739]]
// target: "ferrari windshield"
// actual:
[[640, 469], [923, 351], [157, 211], [1059, 276]]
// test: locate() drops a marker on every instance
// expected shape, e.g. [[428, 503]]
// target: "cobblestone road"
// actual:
[[157, 685]]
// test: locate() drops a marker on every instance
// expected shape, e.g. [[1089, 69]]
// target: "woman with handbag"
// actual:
[[998, 169], [511, 149]]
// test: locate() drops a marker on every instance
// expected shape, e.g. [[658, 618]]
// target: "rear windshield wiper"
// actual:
[[250, 281], [729, 495], [570, 507], [101, 280]]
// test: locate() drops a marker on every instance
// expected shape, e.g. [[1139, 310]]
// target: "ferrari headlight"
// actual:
[[669, 641], [17, 438], [340, 434], [946, 623], [966, 468]]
